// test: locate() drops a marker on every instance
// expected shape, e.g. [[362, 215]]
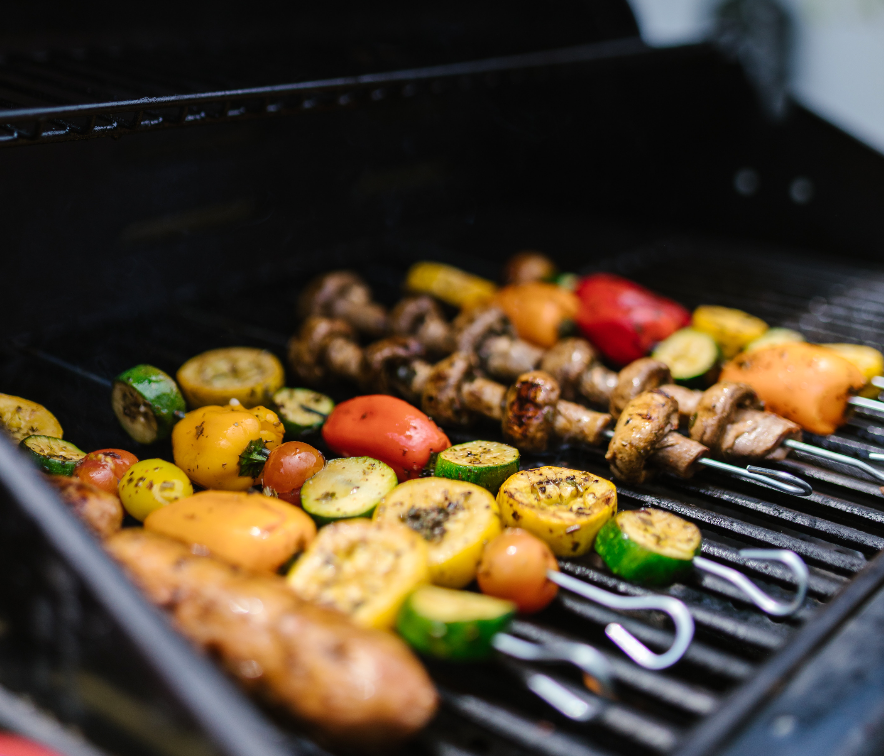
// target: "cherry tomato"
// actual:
[[104, 468], [514, 567], [623, 319], [13, 745], [385, 428], [287, 469]]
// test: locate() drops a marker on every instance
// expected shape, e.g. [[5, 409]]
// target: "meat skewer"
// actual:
[[530, 411]]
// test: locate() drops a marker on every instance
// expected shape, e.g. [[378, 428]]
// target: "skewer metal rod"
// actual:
[[820, 453], [878, 381], [873, 405]]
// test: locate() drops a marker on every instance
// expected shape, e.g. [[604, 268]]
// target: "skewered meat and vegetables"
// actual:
[[732, 329], [52, 455], [564, 508], [455, 518], [363, 569], [347, 488], [346, 684], [100, 511], [104, 468], [384, 428], [648, 546], [452, 624], [152, 484], [288, 467], [485, 463], [20, 418], [147, 402], [302, 411], [252, 531], [514, 566], [343, 294], [251, 376], [226, 447], [807, 384], [624, 320]]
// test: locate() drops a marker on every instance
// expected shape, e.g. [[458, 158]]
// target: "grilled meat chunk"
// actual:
[[678, 455], [530, 410], [100, 511], [567, 361], [643, 424], [752, 434], [636, 378], [716, 408], [347, 684]]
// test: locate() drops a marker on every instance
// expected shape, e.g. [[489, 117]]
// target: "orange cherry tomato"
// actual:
[[104, 468], [514, 567], [287, 469], [385, 428], [538, 311]]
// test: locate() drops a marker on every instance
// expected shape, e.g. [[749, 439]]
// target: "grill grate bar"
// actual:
[[830, 476]]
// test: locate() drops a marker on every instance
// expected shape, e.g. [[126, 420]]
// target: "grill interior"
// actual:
[[486, 709]]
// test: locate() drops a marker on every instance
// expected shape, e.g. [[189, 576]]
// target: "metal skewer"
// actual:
[[778, 479], [871, 405], [844, 459]]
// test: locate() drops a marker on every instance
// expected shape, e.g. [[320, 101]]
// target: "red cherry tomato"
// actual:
[[288, 467], [104, 468], [623, 319], [385, 428], [514, 567], [13, 745]]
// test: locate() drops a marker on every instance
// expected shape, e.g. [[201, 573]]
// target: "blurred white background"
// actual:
[[837, 66]]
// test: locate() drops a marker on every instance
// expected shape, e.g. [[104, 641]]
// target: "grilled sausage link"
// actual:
[[100, 512], [348, 685]]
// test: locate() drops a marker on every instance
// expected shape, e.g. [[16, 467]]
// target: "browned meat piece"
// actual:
[[754, 435], [527, 266], [100, 511], [597, 385], [643, 424], [323, 346], [342, 294], [716, 408], [387, 365], [484, 397], [441, 397], [636, 378], [678, 455], [421, 317], [473, 327], [567, 361], [573, 422], [687, 399], [347, 684], [506, 358], [530, 410]]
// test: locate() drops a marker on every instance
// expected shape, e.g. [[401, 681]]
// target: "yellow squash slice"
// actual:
[[565, 508], [20, 418], [251, 376], [455, 518]]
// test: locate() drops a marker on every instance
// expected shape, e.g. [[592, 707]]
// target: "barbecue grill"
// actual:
[[454, 135]]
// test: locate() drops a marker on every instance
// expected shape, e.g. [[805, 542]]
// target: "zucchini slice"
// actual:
[[689, 354], [774, 337], [302, 411], [363, 569], [251, 376], [485, 463], [347, 488], [565, 508], [455, 518], [451, 624], [53, 455], [732, 329], [649, 546], [20, 418], [147, 402]]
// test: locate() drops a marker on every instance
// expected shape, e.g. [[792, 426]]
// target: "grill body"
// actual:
[[156, 246]]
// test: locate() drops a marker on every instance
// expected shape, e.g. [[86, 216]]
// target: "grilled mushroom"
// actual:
[[323, 348], [442, 399], [716, 409], [422, 318], [343, 294], [636, 378], [567, 362], [643, 424], [530, 410], [387, 364]]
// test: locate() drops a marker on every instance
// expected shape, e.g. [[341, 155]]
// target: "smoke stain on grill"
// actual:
[[198, 220]]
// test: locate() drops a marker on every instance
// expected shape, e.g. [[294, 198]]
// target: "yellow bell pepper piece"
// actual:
[[450, 284], [731, 329], [208, 444], [253, 531], [869, 361], [363, 569], [565, 508]]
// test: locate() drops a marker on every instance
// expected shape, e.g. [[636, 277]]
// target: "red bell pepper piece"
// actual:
[[385, 428], [623, 319]]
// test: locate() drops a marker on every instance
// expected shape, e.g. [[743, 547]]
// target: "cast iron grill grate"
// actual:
[[486, 709]]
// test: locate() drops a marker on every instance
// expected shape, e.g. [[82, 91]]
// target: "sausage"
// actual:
[[348, 685], [101, 512]]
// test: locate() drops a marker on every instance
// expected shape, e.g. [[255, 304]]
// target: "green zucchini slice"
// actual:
[[147, 402], [302, 411], [648, 546], [689, 354], [485, 463], [347, 488], [451, 624], [52, 455], [774, 337]]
